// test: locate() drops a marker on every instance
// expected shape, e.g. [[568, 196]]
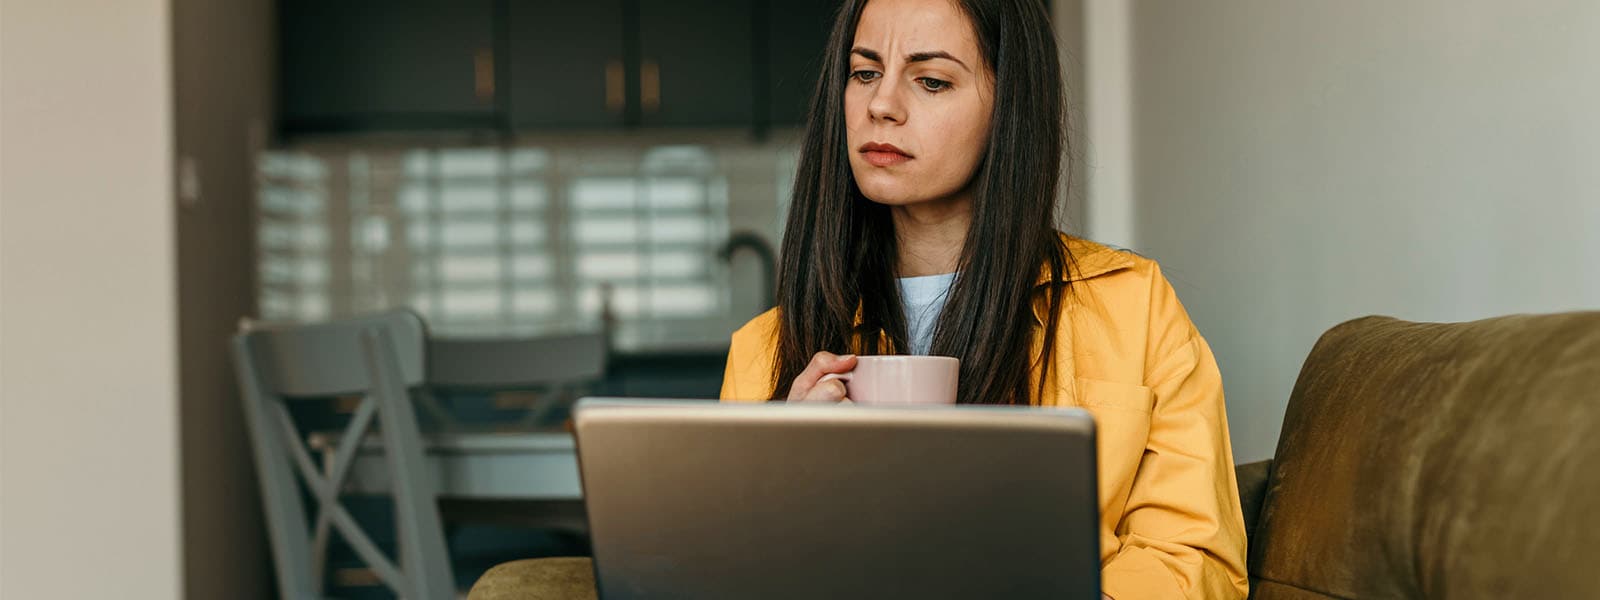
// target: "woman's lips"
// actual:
[[883, 155], [879, 158]]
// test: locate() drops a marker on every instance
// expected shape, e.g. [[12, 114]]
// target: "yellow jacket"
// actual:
[[1170, 524]]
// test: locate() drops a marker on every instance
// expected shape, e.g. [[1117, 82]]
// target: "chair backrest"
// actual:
[[326, 359], [515, 362], [380, 358]]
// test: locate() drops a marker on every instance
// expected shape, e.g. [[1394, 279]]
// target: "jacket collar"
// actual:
[[1089, 260]]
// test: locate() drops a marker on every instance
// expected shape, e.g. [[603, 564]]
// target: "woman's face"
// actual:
[[918, 102]]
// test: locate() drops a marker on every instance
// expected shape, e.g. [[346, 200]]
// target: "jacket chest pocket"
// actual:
[[1121, 415], [1097, 393]]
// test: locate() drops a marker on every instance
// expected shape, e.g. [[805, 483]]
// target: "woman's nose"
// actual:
[[886, 105]]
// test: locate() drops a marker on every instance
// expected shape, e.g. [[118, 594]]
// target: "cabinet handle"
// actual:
[[483, 74], [614, 77], [650, 86]]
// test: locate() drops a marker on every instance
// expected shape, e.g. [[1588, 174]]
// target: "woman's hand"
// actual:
[[805, 387]]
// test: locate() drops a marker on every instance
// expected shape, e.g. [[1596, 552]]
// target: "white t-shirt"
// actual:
[[923, 299]]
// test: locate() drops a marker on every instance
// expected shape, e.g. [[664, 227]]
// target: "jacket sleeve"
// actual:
[[730, 377], [1182, 532], [747, 377]]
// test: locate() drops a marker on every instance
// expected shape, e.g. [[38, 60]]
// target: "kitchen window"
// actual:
[[506, 240]]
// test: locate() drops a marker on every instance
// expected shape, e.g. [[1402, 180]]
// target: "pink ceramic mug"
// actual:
[[901, 380]]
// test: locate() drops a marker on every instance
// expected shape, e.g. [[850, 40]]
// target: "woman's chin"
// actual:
[[892, 193], [901, 189], [891, 199], [904, 196]]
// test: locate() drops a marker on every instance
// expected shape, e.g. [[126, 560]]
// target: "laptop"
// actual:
[[707, 500]]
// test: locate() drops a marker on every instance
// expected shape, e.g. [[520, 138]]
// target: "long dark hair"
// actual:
[[839, 248]]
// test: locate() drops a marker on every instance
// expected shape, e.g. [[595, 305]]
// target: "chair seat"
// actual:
[[537, 579], [464, 440], [527, 465]]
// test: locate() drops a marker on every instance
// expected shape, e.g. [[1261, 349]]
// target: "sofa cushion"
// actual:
[[1426, 460], [537, 579]]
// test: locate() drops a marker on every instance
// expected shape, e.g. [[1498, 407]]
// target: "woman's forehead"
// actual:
[[896, 29]]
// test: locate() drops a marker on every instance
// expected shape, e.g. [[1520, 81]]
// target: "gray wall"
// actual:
[[1068, 18], [88, 307], [1297, 164], [223, 90]]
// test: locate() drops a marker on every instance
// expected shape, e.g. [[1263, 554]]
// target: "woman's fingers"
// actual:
[[822, 363], [832, 390]]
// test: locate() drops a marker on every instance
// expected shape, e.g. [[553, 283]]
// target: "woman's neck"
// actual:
[[930, 235]]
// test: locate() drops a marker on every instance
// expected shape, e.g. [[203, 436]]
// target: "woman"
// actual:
[[923, 222]]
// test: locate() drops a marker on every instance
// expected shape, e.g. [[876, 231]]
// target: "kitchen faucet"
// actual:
[[763, 249]]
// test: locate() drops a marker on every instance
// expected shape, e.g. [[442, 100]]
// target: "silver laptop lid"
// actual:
[[707, 500]]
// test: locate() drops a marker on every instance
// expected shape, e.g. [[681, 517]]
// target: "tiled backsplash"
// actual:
[[524, 237]]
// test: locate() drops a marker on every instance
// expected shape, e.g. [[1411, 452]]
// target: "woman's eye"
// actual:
[[933, 85], [864, 76]]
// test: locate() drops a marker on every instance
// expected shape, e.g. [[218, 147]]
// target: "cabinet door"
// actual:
[[696, 63], [797, 30], [566, 64], [379, 63]]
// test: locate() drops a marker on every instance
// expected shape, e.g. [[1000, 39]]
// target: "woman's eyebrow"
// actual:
[[867, 53], [925, 56], [914, 57]]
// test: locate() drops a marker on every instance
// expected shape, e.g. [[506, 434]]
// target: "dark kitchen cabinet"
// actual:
[[797, 32], [378, 64], [566, 64], [539, 65], [695, 67]]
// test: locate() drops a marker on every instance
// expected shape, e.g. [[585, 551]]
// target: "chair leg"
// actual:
[[280, 498], [424, 558]]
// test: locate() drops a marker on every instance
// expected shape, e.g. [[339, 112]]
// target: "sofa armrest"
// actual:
[[1252, 492], [537, 579]]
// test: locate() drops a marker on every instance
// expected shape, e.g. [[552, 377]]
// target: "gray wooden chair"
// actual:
[[389, 362], [378, 358]]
